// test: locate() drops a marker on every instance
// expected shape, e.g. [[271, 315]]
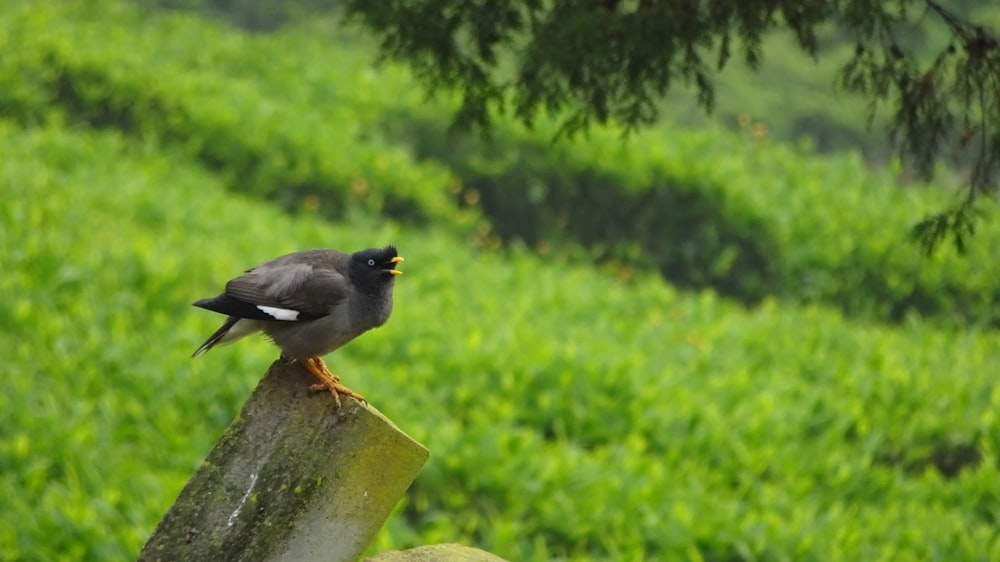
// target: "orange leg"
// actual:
[[328, 380]]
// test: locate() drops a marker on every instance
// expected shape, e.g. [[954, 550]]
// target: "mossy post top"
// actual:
[[292, 478]]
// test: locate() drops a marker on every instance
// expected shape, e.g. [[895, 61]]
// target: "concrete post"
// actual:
[[292, 478]]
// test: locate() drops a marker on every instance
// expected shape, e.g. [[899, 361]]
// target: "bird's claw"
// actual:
[[336, 389], [329, 381]]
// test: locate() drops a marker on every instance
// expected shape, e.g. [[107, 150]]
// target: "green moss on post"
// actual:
[[293, 478]]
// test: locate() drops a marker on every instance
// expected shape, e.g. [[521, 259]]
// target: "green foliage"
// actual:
[[252, 15], [744, 216], [262, 121], [945, 106], [706, 209], [625, 202], [601, 61], [613, 62], [103, 415], [572, 412], [697, 206], [570, 415], [790, 96]]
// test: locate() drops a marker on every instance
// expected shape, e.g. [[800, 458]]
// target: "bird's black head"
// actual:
[[374, 267]]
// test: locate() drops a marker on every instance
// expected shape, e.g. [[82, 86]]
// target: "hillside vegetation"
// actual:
[[706, 209], [573, 411]]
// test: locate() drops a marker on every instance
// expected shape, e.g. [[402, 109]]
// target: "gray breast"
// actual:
[[372, 311]]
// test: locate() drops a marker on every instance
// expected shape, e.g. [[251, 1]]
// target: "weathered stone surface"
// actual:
[[292, 478], [437, 553]]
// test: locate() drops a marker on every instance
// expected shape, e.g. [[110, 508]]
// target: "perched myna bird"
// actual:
[[309, 303]]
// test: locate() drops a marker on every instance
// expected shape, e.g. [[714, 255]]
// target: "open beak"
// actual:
[[396, 259]]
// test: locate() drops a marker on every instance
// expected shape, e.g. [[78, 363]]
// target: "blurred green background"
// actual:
[[711, 341]]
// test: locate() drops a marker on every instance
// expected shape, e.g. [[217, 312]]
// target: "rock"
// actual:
[[437, 553]]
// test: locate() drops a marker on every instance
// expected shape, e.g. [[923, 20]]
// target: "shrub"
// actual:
[[571, 415]]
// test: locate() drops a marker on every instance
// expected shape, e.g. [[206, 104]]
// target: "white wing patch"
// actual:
[[279, 313]]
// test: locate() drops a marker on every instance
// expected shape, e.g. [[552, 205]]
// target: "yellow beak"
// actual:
[[396, 259]]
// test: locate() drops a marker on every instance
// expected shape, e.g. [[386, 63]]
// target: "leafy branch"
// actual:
[[949, 106], [598, 61]]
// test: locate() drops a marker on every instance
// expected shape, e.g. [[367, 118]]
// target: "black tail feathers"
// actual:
[[218, 335]]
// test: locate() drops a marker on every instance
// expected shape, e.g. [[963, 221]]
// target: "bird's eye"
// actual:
[[371, 263]]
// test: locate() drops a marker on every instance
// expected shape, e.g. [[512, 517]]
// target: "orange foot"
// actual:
[[328, 380]]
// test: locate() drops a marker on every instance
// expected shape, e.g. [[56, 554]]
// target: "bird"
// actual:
[[309, 303]]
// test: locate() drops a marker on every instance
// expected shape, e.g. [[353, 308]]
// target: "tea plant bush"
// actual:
[[748, 218], [573, 412], [571, 415], [296, 134], [743, 215]]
